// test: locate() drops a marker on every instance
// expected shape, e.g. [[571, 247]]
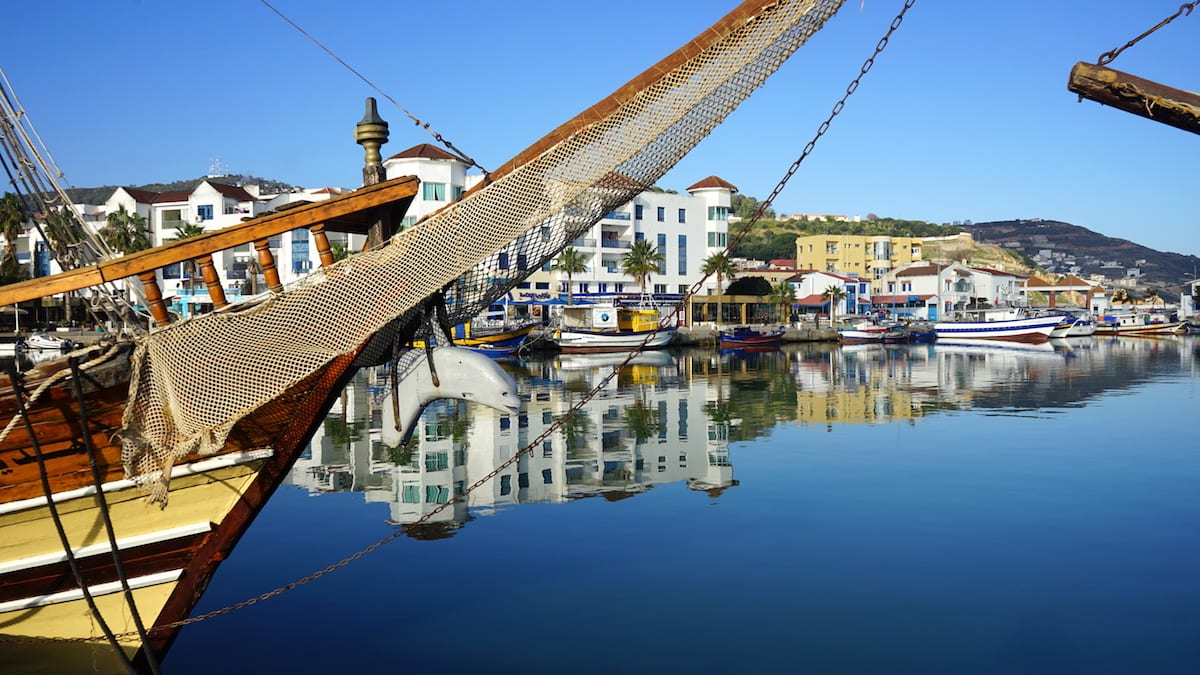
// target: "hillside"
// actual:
[[1063, 248], [99, 195]]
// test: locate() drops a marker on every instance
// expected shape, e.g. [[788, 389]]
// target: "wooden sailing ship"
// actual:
[[212, 411]]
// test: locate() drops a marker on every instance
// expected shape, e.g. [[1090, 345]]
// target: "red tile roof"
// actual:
[[424, 151], [231, 191], [713, 182]]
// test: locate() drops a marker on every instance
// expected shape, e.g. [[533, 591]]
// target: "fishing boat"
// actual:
[[609, 328], [129, 469], [743, 337], [863, 332], [1136, 323], [998, 324]]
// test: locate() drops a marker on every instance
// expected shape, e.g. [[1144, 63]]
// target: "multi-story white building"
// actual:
[[685, 228]]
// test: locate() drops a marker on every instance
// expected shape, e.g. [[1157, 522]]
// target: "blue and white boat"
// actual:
[[1002, 324]]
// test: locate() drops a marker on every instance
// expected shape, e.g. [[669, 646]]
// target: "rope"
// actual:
[[105, 515], [424, 125], [23, 412]]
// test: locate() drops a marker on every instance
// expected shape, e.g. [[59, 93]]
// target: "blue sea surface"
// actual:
[[892, 510]]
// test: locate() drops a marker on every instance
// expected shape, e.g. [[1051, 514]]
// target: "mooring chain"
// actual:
[[808, 150], [1108, 57], [588, 396], [592, 393]]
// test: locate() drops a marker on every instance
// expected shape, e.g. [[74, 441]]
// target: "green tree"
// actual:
[[745, 207], [12, 223], [188, 231], [125, 232], [641, 261], [834, 294], [751, 285], [720, 265], [570, 262], [782, 296]]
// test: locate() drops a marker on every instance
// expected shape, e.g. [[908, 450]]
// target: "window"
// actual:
[[660, 289], [505, 485], [683, 289], [661, 213], [620, 288], [437, 494], [458, 192], [717, 239], [718, 213], [436, 461], [411, 494], [547, 417], [522, 480], [505, 422], [433, 192], [524, 285], [300, 261], [542, 285], [172, 271], [683, 215], [547, 477], [205, 211], [603, 288], [407, 222], [522, 261], [502, 261], [638, 236], [637, 211], [662, 248], [682, 253]]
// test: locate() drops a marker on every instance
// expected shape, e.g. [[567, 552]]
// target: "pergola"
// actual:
[[1067, 283]]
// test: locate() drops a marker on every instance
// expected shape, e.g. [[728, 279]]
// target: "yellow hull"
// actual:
[[29, 540]]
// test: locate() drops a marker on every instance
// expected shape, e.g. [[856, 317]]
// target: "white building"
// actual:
[[686, 228]]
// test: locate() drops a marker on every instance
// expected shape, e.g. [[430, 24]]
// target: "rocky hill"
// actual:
[[1063, 248]]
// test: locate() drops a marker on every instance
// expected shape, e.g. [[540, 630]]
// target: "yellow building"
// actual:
[[868, 257]]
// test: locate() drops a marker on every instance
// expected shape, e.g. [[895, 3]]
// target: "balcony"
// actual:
[[584, 243], [614, 243]]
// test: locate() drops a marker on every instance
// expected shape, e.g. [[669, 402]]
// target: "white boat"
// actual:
[[41, 340], [862, 332], [607, 328], [998, 325], [1140, 323]]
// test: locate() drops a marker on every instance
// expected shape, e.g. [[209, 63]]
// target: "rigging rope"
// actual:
[[424, 125]]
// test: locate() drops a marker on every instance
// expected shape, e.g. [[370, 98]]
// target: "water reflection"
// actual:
[[670, 416]]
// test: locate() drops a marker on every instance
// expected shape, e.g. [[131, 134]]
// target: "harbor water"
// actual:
[[870, 509]]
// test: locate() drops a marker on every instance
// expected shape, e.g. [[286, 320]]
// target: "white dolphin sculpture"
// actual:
[[462, 374]]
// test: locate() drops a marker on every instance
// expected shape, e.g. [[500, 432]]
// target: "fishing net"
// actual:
[[194, 380]]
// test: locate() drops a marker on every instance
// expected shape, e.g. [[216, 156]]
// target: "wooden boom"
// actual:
[[1174, 107]]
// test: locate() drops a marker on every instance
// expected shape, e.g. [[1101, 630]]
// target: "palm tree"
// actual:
[[782, 295], [187, 231], [640, 261], [720, 265], [125, 232], [834, 294], [12, 220], [570, 262]]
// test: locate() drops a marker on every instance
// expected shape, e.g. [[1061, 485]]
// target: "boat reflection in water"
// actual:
[[669, 417]]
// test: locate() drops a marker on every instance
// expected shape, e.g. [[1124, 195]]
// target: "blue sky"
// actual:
[[966, 115]]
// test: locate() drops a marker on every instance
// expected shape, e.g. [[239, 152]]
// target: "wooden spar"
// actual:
[[353, 212], [1173, 107]]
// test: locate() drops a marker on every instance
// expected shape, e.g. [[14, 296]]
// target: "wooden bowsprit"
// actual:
[[1098, 82]]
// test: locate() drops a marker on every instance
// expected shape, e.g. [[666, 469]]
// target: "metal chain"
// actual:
[[1109, 56], [589, 395], [837, 109]]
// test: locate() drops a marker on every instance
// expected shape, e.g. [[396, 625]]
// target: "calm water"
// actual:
[[918, 509]]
